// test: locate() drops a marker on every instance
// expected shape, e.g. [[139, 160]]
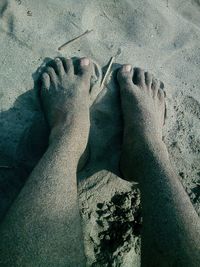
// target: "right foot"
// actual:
[[143, 108]]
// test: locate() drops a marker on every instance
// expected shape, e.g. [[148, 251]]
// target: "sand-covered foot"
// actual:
[[65, 99], [143, 107]]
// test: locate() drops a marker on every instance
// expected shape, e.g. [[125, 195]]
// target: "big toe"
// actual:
[[85, 69], [45, 80], [124, 75]]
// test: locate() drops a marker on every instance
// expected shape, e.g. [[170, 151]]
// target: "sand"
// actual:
[[160, 36]]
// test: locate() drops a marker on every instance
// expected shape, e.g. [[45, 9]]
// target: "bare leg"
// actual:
[[171, 227], [43, 226]]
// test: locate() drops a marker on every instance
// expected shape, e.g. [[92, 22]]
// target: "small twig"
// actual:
[[73, 23], [105, 15], [6, 167], [107, 72], [109, 68], [74, 39]]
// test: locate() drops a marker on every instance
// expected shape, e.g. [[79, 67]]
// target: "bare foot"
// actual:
[[143, 107], [65, 99]]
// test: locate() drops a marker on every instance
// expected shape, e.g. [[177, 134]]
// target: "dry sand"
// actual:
[[159, 35]]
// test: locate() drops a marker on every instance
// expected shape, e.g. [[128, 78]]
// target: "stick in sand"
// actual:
[[74, 39], [109, 67], [6, 167]]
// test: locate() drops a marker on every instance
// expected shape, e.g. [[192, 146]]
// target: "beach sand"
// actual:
[[158, 35]]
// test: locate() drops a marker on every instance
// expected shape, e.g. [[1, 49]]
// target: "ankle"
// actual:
[[72, 139], [141, 156], [57, 133]]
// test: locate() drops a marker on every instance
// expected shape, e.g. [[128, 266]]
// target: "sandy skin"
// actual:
[[171, 227], [43, 226]]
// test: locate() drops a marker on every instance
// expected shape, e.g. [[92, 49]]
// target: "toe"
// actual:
[[161, 95], [59, 68], [125, 75], [148, 79], [85, 68], [52, 74], [155, 87], [139, 78], [45, 79], [68, 65]]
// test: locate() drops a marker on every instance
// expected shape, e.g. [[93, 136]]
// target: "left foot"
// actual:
[[65, 99], [143, 108]]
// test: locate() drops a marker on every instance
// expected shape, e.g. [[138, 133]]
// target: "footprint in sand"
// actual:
[[192, 106], [188, 118], [116, 23], [190, 10], [7, 18], [192, 114]]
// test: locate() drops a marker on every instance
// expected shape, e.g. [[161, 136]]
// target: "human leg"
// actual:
[[43, 227], [171, 227]]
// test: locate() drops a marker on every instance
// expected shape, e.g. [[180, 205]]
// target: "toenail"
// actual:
[[127, 68], [85, 62], [45, 75]]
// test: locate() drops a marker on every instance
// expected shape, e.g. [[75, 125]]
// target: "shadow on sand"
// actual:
[[104, 141]]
